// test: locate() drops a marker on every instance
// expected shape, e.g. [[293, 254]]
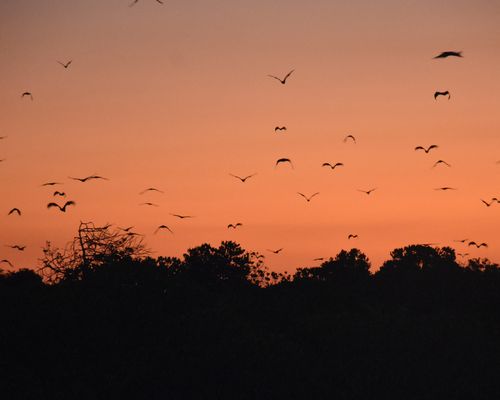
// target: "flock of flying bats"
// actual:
[[286, 161]]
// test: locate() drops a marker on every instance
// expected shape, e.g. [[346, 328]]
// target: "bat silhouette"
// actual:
[[445, 54], [65, 65], [318, 259], [308, 199], [151, 189], [280, 128], [127, 229], [445, 188], [351, 236], [6, 262], [283, 81], [234, 226], [182, 216], [27, 94], [147, 203], [88, 178], [51, 183], [16, 246], [136, 1], [478, 245], [339, 164], [349, 137], [437, 94], [275, 251], [283, 160], [493, 200], [57, 193], [15, 210], [441, 162], [432, 146], [461, 240], [244, 178], [367, 191], [164, 227], [63, 208]]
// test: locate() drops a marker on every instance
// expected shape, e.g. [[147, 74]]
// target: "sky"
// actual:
[[177, 97]]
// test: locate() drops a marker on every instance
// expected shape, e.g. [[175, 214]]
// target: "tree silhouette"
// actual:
[[347, 266], [415, 258], [93, 246], [227, 263]]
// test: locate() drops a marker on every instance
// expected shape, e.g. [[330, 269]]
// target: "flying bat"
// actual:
[[446, 54], [478, 245], [6, 262], [432, 146], [164, 227], [445, 188], [234, 226], [280, 128], [349, 137], [308, 199], [151, 189], [367, 191], [351, 236], [65, 65], [244, 178], [493, 200], [147, 203], [27, 94], [437, 94], [63, 208], [57, 193], [15, 210], [51, 183], [283, 160], [283, 81], [182, 216], [339, 164], [16, 246], [275, 251], [441, 162], [88, 178], [136, 1]]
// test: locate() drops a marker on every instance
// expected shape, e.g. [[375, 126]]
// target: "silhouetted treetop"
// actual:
[[347, 266], [417, 258]]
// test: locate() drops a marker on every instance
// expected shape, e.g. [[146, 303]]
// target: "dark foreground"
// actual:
[[218, 325]]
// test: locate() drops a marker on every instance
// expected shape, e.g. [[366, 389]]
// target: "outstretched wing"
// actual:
[[287, 75], [275, 77]]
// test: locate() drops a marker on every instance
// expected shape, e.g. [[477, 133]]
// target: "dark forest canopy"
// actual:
[[104, 319]]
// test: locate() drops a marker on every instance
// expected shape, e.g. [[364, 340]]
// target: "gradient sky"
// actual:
[[177, 97]]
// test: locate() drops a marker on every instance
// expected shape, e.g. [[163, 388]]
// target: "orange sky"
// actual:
[[177, 97]]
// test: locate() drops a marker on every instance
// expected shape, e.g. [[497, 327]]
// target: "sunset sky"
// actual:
[[177, 97]]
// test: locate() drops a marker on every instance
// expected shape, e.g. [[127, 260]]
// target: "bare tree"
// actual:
[[92, 247]]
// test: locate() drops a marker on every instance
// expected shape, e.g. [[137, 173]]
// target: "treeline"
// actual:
[[102, 322]]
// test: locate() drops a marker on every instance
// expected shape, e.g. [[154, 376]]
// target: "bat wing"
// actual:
[[287, 75]]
